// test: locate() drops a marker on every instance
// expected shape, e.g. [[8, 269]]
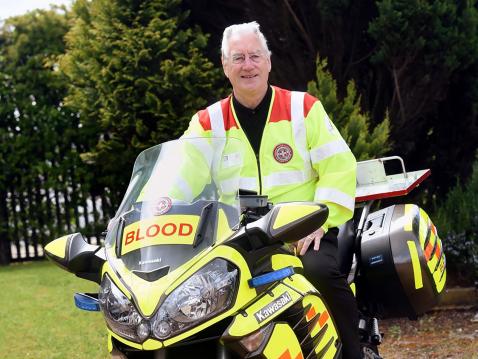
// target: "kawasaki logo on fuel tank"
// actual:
[[273, 307]]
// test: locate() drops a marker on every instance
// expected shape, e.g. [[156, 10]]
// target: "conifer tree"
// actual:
[[137, 76], [347, 114]]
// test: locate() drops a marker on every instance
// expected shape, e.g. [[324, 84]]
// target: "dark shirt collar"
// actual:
[[263, 105], [253, 121]]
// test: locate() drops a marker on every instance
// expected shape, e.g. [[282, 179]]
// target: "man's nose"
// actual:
[[248, 62]]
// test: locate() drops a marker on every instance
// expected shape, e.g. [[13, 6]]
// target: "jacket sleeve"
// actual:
[[219, 159], [195, 162], [196, 129], [335, 165]]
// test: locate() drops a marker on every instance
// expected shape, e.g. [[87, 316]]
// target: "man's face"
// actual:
[[247, 65]]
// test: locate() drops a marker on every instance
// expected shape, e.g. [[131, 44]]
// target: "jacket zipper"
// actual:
[[260, 144], [259, 172]]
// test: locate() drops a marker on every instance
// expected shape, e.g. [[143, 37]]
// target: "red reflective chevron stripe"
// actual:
[[438, 250], [428, 251], [285, 355], [310, 314], [323, 318]]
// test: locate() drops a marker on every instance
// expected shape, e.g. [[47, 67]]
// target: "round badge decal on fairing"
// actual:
[[162, 206], [283, 153]]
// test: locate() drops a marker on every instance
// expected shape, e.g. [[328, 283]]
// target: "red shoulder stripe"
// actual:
[[281, 106], [229, 120], [204, 120]]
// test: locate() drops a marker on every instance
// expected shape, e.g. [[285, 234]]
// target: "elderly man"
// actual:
[[295, 154]]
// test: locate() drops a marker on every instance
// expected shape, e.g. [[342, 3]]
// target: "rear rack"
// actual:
[[374, 183]]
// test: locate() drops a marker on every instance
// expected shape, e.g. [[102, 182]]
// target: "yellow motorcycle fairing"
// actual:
[[277, 347], [250, 311], [246, 309], [322, 336], [263, 310], [148, 295], [57, 247], [323, 331], [304, 313]]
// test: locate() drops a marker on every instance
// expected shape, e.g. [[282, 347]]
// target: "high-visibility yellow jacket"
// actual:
[[302, 156]]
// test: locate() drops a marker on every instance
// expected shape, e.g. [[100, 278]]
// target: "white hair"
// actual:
[[245, 28]]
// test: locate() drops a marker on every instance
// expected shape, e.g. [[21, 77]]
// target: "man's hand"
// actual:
[[304, 243]]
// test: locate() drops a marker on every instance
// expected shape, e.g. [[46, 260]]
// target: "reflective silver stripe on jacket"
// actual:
[[202, 144], [285, 178], [299, 131], [230, 185], [250, 183], [335, 196], [217, 128], [328, 150], [217, 120], [166, 185]]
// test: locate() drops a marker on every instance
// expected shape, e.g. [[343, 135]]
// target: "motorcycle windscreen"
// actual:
[[182, 198]]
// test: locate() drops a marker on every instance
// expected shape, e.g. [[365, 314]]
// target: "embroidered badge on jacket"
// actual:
[[283, 153]]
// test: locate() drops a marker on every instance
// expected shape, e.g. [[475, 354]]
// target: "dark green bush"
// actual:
[[457, 222], [349, 117], [137, 73]]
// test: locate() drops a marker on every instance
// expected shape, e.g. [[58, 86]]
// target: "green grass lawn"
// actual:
[[38, 317]]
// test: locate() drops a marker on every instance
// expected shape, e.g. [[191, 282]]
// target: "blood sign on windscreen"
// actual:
[[172, 229]]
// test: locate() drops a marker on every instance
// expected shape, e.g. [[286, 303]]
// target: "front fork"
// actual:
[[369, 332]]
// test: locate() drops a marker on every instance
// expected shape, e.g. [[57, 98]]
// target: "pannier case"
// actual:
[[403, 260]]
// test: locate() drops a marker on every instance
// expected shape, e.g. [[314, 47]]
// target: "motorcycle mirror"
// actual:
[[289, 222], [74, 254]]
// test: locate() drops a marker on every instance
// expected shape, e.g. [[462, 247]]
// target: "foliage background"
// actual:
[[83, 91], [136, 74]]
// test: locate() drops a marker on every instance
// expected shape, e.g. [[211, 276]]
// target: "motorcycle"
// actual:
[[194, 265]]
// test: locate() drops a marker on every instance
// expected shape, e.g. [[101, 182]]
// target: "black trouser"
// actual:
[[322, 270]]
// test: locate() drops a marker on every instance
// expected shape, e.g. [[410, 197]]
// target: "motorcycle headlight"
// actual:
[[120, 314], [206, 293]]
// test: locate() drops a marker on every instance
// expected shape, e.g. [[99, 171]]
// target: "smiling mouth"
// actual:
[[248, 76]]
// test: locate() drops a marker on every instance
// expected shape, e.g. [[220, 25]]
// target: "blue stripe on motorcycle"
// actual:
[[85, 302], [271, 277]]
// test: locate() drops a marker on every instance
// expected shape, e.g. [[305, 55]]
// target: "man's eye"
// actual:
[[238, 58], [254, 58]]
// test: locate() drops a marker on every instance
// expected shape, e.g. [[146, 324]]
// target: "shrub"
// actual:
[[457, 220], [349, 117]]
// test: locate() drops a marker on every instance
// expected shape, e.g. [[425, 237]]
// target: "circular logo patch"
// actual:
[[162, 206], [283, 153]]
